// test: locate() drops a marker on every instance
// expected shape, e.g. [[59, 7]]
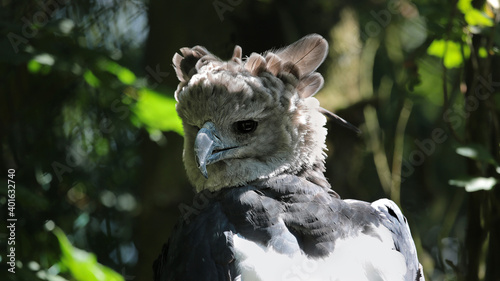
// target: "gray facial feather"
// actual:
[[275, 91]]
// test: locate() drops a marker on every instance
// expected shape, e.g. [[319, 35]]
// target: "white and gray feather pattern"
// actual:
[[276, 88], [254, 150]]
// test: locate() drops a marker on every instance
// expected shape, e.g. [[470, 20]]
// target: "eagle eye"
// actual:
[[245, 126]]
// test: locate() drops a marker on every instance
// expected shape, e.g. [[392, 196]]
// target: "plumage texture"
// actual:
[[305, 54], [277, 90], [254, 150]]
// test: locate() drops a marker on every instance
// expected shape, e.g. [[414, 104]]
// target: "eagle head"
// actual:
[[253, 118]]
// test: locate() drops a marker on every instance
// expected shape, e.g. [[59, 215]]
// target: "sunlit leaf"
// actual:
[[474, 184], [476, 17], [157, 111], [45, 59], [42, 60], [66, 26], [82, 265], [473, 16], [482, 52], [476, 152], [34, 66], [91, 79], [464, 5], [450, 51], [126, 76]]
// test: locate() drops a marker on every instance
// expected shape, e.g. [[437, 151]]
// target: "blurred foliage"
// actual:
[[67, 108], [83, 265], [88, 121], [453, 53], [475, 184], [157, 112]]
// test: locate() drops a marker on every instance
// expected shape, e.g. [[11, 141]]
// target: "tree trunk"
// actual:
[[482, 129]]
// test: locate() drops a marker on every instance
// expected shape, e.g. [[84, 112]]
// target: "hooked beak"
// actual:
[[209, 148]]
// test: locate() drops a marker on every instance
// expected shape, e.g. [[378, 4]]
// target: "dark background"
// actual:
[[87, 122]]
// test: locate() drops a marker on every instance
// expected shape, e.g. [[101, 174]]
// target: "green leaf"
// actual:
[[34, 66], [157, 112], [39, 61], [82, 265], [477, 152], [477, 18], [126, 76], [464, 5], [473, 16], [483, 53], [101, 146], [449, 51], [474, 184], [91, 79]]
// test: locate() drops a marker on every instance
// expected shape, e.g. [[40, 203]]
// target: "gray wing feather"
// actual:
[[394, 220]]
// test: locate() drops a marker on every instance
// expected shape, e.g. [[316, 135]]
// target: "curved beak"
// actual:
[[209, 148]]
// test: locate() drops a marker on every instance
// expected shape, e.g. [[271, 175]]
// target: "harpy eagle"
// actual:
[[254, 150]]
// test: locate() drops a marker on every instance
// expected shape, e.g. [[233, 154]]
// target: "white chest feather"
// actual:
[[361, 258]]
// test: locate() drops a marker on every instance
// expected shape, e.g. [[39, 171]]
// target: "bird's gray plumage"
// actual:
[[254, 150]]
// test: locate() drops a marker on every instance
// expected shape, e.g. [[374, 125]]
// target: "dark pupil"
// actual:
[[246, 126]]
